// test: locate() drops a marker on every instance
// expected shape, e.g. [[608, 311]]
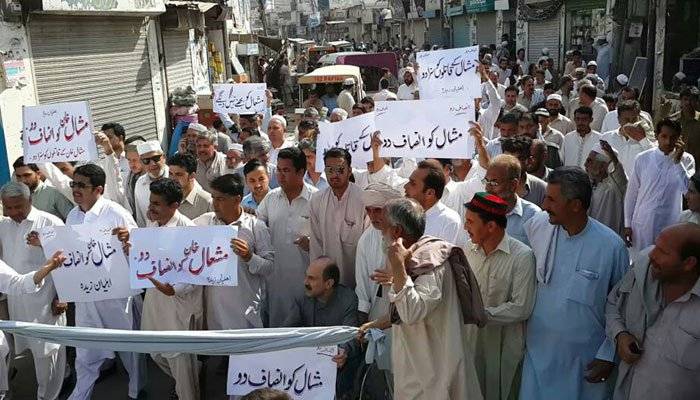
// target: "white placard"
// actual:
[[306, 373], [449, 73], [240, 98], [425, 128], [191, 254], [353, 134], [58, 132], [95, 267]]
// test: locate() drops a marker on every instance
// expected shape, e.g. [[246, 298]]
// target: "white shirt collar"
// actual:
[[518, 209]]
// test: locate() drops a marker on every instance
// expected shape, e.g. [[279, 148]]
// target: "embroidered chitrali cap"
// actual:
[[488, 203]]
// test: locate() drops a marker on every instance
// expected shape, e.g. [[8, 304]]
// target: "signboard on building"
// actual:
[[343, 4], [105, 6], [479, 6]]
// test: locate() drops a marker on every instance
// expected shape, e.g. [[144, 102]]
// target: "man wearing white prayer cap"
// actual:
[[609, 186], [622, 79], [409, 87], [557, 121], [338, 114], [153, 161], [345, 98], [234, 158]]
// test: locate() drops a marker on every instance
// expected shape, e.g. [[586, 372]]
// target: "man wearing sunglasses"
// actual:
[[94, 209], [338, 216], [153, 161]]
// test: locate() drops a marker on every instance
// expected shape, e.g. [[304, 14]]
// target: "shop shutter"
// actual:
[[100, 59], [486, 29], [178, 60], [543, 34], [460, 31]]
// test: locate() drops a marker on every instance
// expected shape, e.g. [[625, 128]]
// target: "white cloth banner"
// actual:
[[449, 73], [306, 373], [425, 128], [353, 134], [58, 132], [192, 254], [240, 98], [219, 343], [95, 267]]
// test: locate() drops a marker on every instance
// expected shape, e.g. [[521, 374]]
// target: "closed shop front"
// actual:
[[461, 36], [486, 28], [485, 20], [178, 58], [101, 59], [544, 34]]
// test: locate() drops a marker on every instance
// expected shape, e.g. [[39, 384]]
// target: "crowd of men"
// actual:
[[560, 261]]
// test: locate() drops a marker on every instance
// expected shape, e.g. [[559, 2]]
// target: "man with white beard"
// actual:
[[373, 299], [42, 305]]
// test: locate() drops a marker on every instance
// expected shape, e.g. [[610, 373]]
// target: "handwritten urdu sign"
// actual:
[[306, 373], [353, 134], [425, 128], [449, 73], [58, 132], [95, 267], [240, 98], [196, 255]]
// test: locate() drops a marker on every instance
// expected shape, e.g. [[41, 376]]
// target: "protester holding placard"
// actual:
[[59, 176], [42, 304], [238, 307], [92, 208], [286, 211], [169, 307], [326, 302]]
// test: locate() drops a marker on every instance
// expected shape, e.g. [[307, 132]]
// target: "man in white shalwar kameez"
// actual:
[[37, 306], [373, 299], [15, 284], [175, 307], [654, 197], [238, 307], [286, 211], [93, 209], [338, 216], [431, 358], [426, 186], [609, 186], [505, 270]]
